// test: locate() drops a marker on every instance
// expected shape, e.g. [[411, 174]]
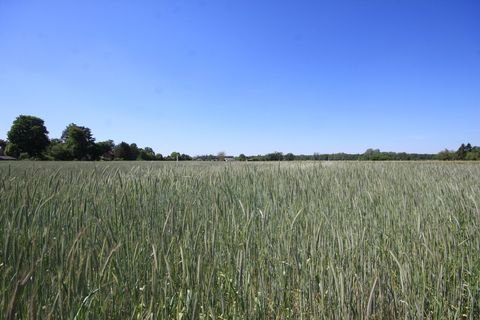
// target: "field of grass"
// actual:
[[303, 240]]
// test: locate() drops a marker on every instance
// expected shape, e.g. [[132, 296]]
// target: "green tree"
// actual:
[[104, 150], [135, 151], [59, 151], [446, 155], [174, 156], [147, 154], [79, 141], [473, 154], [122, 151], [185, 157], [468, 148], [462, 152], [242, 157], [3, 145], [372, 154], [12, 150], [274, 156], [29, 135], [289, 157]]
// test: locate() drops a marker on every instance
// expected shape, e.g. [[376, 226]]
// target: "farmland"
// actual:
[[197, 240]]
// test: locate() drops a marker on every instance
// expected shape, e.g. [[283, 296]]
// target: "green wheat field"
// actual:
[[199, 240]]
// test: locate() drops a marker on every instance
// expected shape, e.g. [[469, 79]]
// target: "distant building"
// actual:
[[229, 158]]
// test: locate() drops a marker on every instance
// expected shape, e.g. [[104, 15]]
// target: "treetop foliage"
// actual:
[[28, 135]]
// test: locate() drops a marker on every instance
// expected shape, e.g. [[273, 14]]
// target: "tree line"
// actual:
[[28, 139], [465, 152]]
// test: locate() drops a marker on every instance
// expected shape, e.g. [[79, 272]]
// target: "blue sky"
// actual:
[[249, 76]]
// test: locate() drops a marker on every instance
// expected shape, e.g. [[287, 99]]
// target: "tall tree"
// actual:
[[174, 156], [79, 141], [29, 135], [3, 145], [122, 151], [135, 151], [468, 148], [274, 156], [462, 152], [104, 150], [12, 150], [185, 157], [446, 155], [147, 154], [57, 150]]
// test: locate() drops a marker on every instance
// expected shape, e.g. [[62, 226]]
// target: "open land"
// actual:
[[210, 240]]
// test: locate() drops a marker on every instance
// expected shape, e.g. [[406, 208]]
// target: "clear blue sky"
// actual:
[[247, 76]]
